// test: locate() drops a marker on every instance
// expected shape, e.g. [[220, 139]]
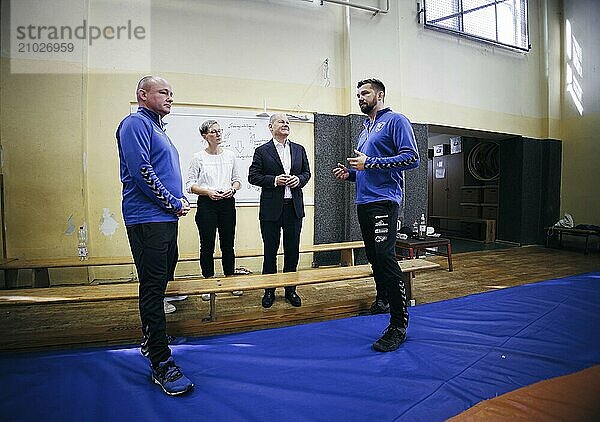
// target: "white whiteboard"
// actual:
[[243, 132]]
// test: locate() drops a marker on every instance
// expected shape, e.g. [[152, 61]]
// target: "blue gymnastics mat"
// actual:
[[458, 353]]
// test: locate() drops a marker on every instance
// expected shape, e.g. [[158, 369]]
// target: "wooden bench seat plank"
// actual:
[[25, 264], [198, 286], [264, 281], [195, 286], [69, 294]]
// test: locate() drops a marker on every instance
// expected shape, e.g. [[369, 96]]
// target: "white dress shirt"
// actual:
[[285, 155]]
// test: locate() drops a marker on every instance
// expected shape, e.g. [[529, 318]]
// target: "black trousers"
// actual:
[[378, 224], [271, 234], [210, 217], [154, 250]]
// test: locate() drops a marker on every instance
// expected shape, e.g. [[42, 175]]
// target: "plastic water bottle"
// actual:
[[82, 245], [415, 229], [422, 227]]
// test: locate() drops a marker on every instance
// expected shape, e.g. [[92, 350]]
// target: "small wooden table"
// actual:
[[415, 245]]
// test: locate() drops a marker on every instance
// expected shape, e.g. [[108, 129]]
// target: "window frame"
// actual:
[[460, 15]]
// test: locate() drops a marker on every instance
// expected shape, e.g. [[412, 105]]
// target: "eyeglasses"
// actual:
[[215, 131]]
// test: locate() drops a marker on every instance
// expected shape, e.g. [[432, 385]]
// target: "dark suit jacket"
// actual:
[[266, 165]]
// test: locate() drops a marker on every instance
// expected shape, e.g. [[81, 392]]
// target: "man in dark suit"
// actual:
[[280, 168]]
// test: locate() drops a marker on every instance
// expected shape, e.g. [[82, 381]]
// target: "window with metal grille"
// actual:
[[501, 22]]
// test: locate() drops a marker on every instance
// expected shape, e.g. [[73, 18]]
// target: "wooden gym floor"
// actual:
[[43, 327]]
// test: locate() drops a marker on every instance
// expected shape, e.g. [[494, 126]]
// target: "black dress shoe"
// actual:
[[293, 298], [268, 299]]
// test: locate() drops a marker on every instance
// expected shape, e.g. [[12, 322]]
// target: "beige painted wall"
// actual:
[[580, 194], [581, 174], [57, 130]]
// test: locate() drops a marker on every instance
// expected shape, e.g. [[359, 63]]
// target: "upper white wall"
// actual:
[[444, 67], [432, 77], [283, 41]]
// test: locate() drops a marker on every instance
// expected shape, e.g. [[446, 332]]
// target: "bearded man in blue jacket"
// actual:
[[386, 147]]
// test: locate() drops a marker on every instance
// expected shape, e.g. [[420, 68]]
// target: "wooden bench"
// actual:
[[488, 226], [212, 286], [41, 277], [560, 231]]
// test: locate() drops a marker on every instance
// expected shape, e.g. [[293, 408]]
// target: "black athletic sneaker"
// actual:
[[392, 339], [170, 378], [380, 306]]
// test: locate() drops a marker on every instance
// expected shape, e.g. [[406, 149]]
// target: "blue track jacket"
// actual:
[[150, 171], [389, 143]]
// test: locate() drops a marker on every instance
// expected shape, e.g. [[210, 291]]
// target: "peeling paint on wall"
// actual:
[[108, 224], [70, 226]]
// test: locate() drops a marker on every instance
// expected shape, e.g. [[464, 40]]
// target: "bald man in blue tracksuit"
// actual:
[[153, 202], [386, 147]]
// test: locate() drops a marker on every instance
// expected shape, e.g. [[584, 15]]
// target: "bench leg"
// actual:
[[41, 278], [560, 240], [212, 309], [347, 258], [449, 255], [10, 278]]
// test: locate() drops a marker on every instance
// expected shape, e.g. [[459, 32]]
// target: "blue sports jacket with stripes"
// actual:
[[150, 171], [389, 143]]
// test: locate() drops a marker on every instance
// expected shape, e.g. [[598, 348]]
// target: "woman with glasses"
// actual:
[[213, 175]]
